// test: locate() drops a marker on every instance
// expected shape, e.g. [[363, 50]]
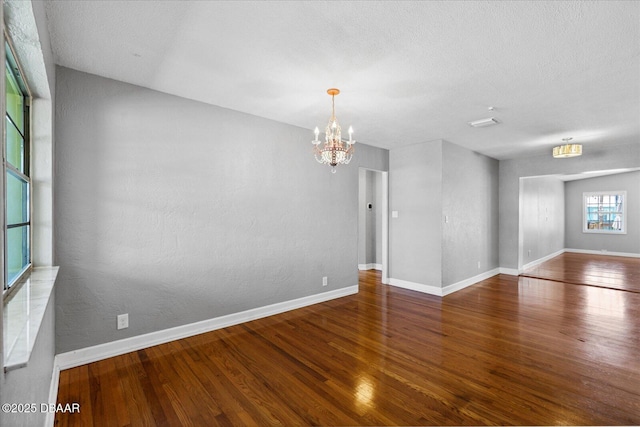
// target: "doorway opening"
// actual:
[[373, 224]]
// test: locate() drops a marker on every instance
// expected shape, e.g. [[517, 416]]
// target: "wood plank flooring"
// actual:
[[509, 350], [595, 270]]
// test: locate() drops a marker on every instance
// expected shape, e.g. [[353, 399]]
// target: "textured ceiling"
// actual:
[[409, 72]]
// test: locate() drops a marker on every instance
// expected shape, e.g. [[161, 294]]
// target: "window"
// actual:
[[604, 212], [17, 190]]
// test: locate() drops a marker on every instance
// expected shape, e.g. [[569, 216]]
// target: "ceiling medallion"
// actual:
[[335, 151]]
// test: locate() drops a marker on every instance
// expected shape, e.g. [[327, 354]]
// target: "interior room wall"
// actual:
[[26, 24], [174, 211], [415, 192], [625, 155], [622, 243], [469, 213], [542, 217]]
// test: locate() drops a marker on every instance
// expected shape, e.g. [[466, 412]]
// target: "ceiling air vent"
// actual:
[[484, 122]]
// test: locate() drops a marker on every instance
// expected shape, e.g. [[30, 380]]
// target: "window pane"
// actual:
[[15, 99], [17, 200], [15, 147], [617, 222], [17, 251]]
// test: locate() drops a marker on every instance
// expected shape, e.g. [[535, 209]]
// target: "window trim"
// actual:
[[585, 228], [9, 290]]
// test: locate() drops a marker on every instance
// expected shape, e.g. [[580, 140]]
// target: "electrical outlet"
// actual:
[[478, 264], [123, 321], [529, 252], [325, 281]]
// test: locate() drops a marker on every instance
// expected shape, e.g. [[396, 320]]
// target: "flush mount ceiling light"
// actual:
[[567, 150], [484, 122], [335, 151]]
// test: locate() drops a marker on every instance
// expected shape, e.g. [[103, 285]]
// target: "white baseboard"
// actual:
[[449, 289], [86, 355], [369, 266], [427, 289], [509, 271], [53, 394], [543, 259], [603, 252]]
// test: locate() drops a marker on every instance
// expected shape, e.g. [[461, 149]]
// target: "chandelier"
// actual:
[[567, 150], [335, 151]]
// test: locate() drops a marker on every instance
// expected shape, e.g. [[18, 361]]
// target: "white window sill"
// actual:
[[23, 315]]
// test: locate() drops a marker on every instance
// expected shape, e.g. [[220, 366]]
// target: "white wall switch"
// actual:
[[394, 214]]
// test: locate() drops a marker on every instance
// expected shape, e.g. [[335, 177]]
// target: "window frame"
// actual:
[[623, 213], [10, 287]]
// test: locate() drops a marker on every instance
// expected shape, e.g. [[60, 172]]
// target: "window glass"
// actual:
[[15, 146], [15, 99], [17, 251], [17, 199]]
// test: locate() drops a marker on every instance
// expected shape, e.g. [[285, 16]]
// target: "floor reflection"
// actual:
[[604, 302]]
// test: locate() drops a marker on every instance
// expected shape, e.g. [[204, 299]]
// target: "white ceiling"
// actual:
[[409, 72]]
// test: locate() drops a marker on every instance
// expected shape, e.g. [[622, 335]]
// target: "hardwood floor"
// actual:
[[509, 350], [595, 270]]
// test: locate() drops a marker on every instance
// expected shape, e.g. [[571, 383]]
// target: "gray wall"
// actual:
[[470, 204], [576, 239], [31, 383], [430, 182], [593, 159], [176, 211], [415, 191], [542, 217]]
